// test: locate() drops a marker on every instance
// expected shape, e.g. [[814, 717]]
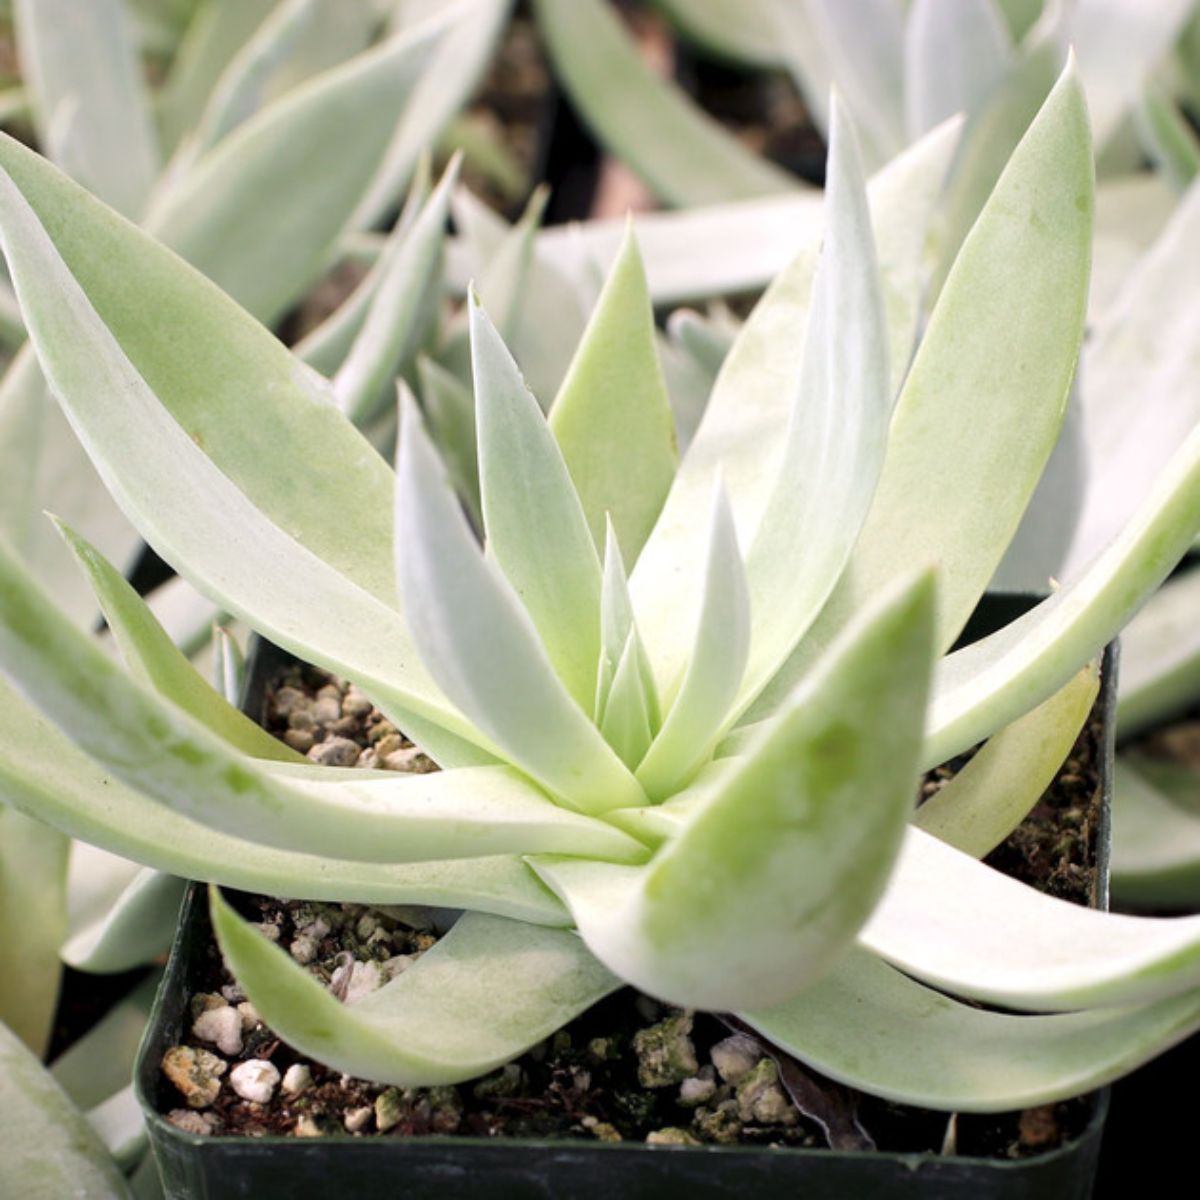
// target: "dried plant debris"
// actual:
[[629, 1070]]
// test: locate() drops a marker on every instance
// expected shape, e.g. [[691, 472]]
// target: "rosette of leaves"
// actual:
[[677, 705]]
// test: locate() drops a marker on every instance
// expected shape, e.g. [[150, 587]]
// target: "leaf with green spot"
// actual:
[[822, 796], [43, 773], [488, 990]]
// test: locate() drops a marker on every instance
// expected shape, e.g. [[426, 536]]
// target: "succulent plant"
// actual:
[[675, 705]]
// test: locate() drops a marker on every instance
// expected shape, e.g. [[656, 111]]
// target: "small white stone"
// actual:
[[365, 978], [303, 949], [221, 1026], [696, 1091], [357, 1119], [233, 993], [296, 1079], [306, 1127], [368, 923], [192, 1122], [397, 965], [255, 1079], [268, 929], [735, 1057], [316, 929], [249, 1015]]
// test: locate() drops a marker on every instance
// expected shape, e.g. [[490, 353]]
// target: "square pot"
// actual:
[[471, 1168]]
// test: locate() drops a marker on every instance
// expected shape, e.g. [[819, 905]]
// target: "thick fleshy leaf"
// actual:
[[742, 29], [706, 694], [154, 745], [229, 665], [121, 1125], [391, 331], [89, 100], [870, 1027], [534, 524], [996, 790], [837, 429], [153, 658], [488, 990], [243, 559], [683, 154], [1156, 835], [483, 648], [450, 74], [741, 431], [624, 721], [125, 929], [986, 685], [33, 918], [1160, 656], [967, 929], [612, 417], [43, 773], [787, 849], [230, 211], [49, 1148], [1141, 381], [983, 403], [954, 54]]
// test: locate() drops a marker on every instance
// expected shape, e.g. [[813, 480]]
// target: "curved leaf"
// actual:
[[786, 850], [488, 990]]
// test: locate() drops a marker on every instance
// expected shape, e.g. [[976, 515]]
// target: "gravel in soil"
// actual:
[[630, 1069]]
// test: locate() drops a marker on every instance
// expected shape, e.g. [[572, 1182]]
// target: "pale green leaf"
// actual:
[[746, 30], [967, 929], [740, 433], [211, 40], [870, 1027], [986, 800], [624, 720], [954, 54], [488, 990], [1155, 835], [249, 564], [534, 524], [1160, 656], [1141, 381], [787, 849], [128, 929], [393, 323], [50, 1150], [121, 1126], [699, 711], [982, 406], [235, 212], [683, 154], [990, 683], [612, 416], [89, 100], [43, 773], [33, 917], [229, 665], [837, 429], [450, 73], [482, 646], [153, 658]]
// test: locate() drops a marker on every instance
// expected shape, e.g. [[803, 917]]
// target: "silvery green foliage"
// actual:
[[674, 703]]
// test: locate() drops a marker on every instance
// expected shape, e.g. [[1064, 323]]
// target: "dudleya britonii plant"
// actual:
[[676, 706]]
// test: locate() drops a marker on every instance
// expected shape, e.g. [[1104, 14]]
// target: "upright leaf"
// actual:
[[612, 417]]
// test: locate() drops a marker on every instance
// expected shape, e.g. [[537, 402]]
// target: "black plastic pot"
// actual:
[[464, 1168]]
